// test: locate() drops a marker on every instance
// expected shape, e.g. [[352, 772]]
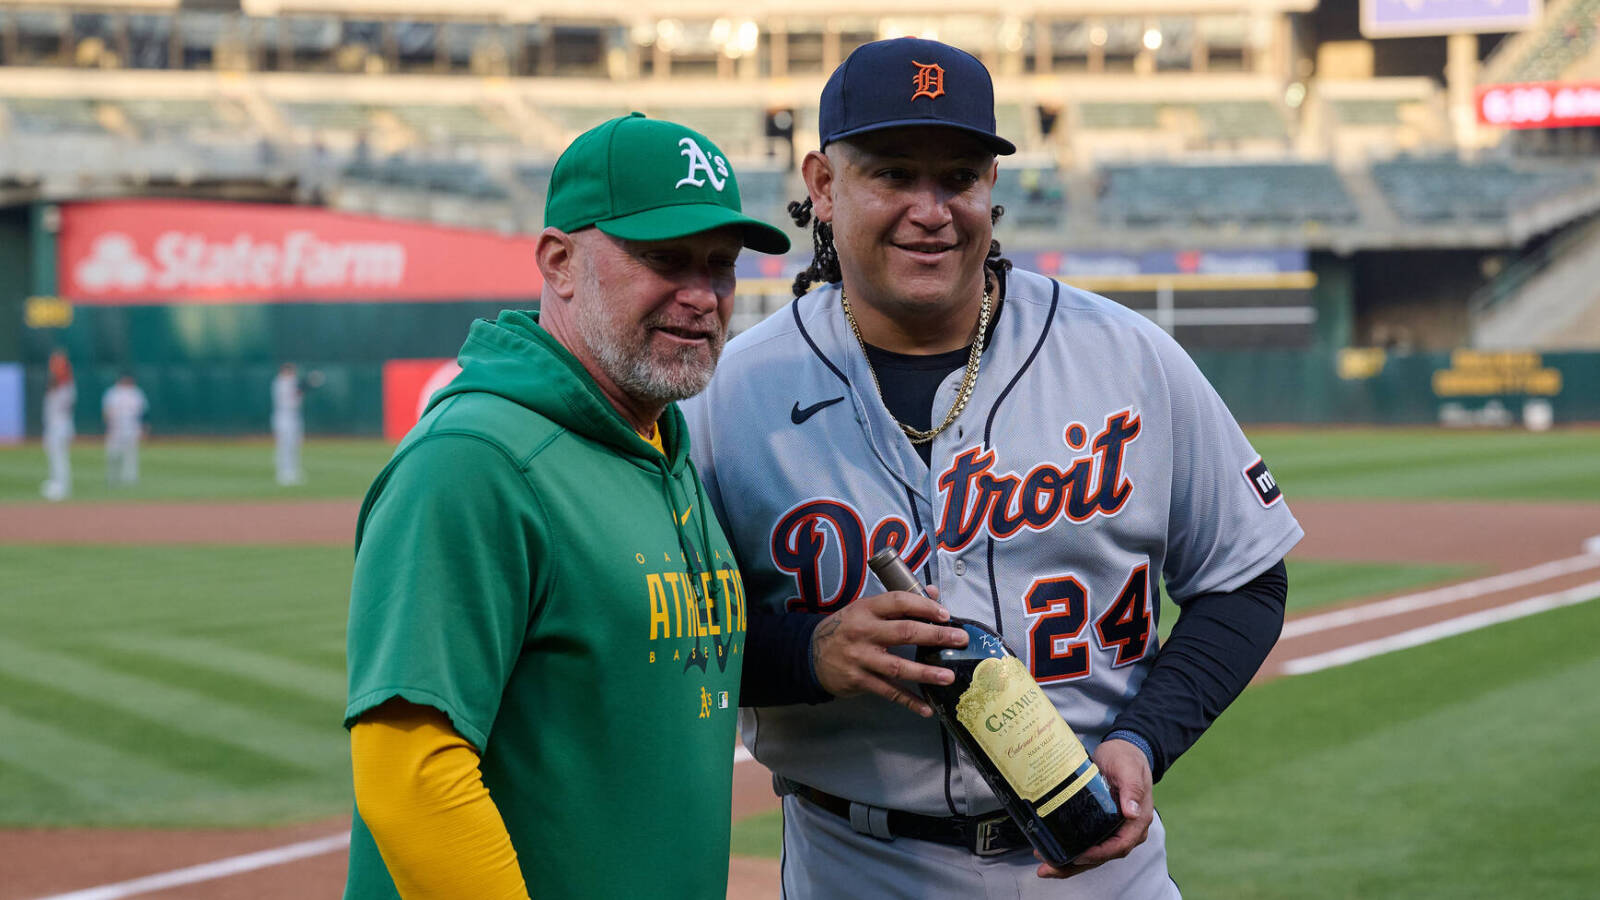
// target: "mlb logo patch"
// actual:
[[1262, 483], [722, 700]]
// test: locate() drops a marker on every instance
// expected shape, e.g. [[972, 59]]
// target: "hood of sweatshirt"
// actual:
[[515, 358]]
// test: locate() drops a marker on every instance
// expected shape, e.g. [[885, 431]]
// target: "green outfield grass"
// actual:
[[1314, 583], [202, 470], [172, 685], [204, 685], [188, 686], [1462, 768], [1349, 463]]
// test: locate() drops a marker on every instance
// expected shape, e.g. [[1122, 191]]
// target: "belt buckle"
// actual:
[[987, 837]]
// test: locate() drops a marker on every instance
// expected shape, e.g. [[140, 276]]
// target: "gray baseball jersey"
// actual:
[[1092, 458]]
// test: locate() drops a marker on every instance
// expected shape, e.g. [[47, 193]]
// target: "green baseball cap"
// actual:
[[646, 179]]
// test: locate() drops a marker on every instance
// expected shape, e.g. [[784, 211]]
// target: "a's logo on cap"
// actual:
[[699, 162], [929, 80]]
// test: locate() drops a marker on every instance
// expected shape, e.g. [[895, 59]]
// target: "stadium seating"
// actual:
[[574, 120], [1442, 189], [1115, 129], [1366, 111], [465, 178], [1033, 195], [450, 124], [165, 118], [1204, 195], [766, 192], [347, 118], [53, 115], [736, 129], [1566, 34], [1011, 122], [1111, 116], [1241, 120]]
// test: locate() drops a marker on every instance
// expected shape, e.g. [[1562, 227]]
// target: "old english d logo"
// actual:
[[698, 162], [929, 80]]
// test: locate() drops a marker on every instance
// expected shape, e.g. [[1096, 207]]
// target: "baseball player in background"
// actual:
[[59, 399], [1039, 454], [123, 408], [288, 427]]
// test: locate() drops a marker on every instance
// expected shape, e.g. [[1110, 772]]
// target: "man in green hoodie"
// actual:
[[546, 623]]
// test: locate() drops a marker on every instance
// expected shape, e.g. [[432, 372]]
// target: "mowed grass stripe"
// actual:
[[220, 469], [320, 654], [311, 711], [288, 591], [1315, 583], [88, 771], [323, 683], [1436, 772], [181, 709], [23, 792], [1345, 463], [1484, 476], [111, 722]]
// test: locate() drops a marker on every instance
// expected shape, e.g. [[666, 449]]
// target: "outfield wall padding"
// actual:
[[207, 369]]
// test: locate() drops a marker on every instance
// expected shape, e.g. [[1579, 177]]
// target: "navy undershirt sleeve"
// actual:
[[777, 660], [1216, 646]]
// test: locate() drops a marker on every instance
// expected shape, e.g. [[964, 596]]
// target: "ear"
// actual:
[[817, 169], [557, 259]]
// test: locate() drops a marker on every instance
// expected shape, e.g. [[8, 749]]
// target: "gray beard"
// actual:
[[650, 377]]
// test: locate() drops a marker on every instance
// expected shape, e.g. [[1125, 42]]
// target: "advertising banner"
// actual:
[[1413, 18], [1540, 105], [407, 386], [175, 251]]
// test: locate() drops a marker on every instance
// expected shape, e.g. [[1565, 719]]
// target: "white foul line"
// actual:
[[1439, 597], [222, 868], [1448, 628]]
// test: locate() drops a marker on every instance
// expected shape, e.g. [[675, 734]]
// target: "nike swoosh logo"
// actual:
[[798, 415], [686, 515]]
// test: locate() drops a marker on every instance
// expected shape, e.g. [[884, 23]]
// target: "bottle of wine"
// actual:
[[1013, 734]]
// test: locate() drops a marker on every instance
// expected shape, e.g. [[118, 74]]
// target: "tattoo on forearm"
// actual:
[[826, 629]]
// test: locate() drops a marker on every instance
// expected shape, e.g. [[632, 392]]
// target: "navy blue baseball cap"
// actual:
[[909, 81]]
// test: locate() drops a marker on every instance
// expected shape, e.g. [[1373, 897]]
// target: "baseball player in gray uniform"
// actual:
[[123, 407], [288, 428], [59, 399], [1039, 454]]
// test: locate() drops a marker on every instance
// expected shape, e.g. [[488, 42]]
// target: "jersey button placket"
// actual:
[[961, 566]]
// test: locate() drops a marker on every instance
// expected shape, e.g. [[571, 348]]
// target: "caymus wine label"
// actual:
[[1020, 731]]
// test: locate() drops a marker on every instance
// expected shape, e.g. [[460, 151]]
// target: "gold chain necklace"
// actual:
[[969, 379]]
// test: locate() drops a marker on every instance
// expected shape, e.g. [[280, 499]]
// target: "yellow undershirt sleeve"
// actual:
[[421, 794]]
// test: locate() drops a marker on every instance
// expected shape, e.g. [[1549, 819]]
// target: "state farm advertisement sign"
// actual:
[[408, 385], [1540, 105], [143, 251]]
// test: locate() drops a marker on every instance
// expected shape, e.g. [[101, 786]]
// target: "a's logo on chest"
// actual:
[[975, 499]]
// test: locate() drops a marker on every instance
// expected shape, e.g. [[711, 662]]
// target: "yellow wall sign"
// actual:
[[1359, 363], [1478, 373], [46, 312]]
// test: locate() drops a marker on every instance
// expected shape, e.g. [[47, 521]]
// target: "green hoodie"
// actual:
[[523, 564]]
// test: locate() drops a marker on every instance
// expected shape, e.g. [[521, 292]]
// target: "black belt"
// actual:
[[991, 835]]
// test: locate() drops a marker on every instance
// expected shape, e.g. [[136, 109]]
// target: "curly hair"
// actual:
[[825, 258]]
